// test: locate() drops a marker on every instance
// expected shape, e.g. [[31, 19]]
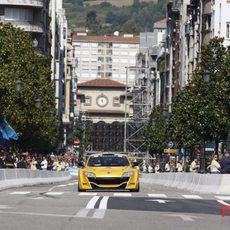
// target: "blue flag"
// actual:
[[7, 131]]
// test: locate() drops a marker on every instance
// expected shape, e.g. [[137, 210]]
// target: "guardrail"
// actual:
[[203, 183], [23, 177]]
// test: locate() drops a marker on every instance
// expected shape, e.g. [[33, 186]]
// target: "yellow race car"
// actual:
[[108, 171]]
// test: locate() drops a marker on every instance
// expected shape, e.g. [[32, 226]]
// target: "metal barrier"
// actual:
[[203, 183], [21, 177]]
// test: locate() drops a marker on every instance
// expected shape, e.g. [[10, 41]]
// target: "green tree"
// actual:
[[201, 111], [155, 133], [37, 129]]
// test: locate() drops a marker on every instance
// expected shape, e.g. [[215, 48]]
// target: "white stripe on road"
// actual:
[[37, 214], [54, 193], [87, 194], [104, 201], [19, 193], [92, 202], [84, 211], [157, 195], [122, 194], [99, 214], [62, 185], [223, 197], [192, 197], [37, 198], [222, 202]]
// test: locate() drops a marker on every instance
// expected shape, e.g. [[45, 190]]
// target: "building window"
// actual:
[[228, 30], [88, 101], [116, 101]]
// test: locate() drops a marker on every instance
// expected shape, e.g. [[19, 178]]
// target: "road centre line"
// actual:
[[223, 197], [122, 194], [19, 193], [87, 194], [192, 197], [157, 195], [54, 193]]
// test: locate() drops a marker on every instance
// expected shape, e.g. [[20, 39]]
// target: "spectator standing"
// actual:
[[214, 167], [194, 166], [179, 166], [167, 167], [44, 163], [33, 164], [2, 160], [225, 163]]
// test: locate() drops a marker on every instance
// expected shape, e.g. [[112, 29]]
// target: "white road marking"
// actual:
[[4, 207], [222, 202], [99, 214], [122, 194], [73, 183], [87, 193], [184, 217], [37, 198], [92, 202], [192, 197], [157, 195], [84, 211], [223, 197], [62, 185], [19, 193], [37, 214], [103, 203], [162, 201], [54, 193]]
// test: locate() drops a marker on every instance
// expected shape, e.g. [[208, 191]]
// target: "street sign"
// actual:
[[170, 150], [170, 144]]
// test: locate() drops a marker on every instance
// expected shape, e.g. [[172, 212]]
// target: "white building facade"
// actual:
[[105, 57], [220, 21], [32, 16]]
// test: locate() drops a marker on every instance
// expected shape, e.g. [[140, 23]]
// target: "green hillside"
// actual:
[[105, 17]]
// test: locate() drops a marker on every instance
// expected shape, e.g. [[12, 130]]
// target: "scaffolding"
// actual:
[[136, 122]]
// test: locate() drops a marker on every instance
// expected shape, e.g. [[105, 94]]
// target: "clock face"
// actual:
[[102, 101]]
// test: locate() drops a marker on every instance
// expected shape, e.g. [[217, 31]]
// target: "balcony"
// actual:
[[27, 26], [34, 3]]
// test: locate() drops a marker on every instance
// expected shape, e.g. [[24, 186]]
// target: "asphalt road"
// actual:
[[61, 207]]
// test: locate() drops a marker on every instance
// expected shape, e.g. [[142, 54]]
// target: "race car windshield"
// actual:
[[110, 161]]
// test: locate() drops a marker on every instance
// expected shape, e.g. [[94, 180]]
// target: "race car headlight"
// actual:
[[89, 174], [128, 174]]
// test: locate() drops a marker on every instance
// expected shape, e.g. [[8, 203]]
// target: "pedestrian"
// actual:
[[2, 160], [44, 163], [179, 166], [194, 166], [167, 167], [225, 163], [214, 167]]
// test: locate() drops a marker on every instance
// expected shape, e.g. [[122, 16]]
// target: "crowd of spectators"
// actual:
[[214, 165], [34, 161]]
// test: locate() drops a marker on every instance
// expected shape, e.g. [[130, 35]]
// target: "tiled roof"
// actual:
[[101, 82], [106, 39]]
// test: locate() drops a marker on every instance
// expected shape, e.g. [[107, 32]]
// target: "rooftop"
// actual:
[[102, 82]]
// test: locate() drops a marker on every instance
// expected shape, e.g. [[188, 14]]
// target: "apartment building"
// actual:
[[220, 20], [32, 16], [105, 57]]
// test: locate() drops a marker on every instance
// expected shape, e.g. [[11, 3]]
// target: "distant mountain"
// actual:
[[105, 17]]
